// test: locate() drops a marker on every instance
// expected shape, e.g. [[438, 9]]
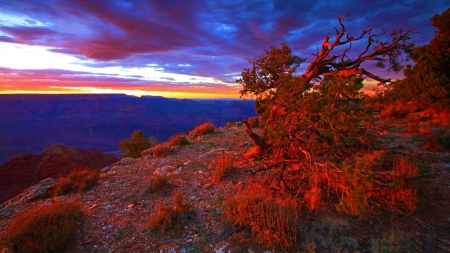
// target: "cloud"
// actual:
[[202, 39]]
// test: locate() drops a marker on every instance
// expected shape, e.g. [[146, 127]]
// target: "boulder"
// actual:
[[39, 190]]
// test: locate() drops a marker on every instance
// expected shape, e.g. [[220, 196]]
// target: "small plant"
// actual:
[[157, 183], [178, 140], [397, 110], [43, 229], [167, 216], [223, 165], [253, 152], [203, 129], [393, 242], [135, 145], [229, 125], [273, 220], [77, 181], [253, 122], [161, 150]]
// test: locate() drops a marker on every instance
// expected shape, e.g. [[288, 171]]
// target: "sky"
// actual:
[[178, 48]]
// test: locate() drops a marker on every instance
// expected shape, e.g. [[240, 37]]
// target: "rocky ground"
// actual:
[[117, 210]]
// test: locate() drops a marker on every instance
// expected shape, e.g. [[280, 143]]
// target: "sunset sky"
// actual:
[[179, 48]]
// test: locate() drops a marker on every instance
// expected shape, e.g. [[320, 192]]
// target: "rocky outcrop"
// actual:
[[27, 169]]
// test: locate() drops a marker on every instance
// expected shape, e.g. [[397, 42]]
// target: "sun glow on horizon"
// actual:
[[20, 58], [130, 92]]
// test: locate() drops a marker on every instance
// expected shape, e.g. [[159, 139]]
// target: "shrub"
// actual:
[[43, 229], [229, 125], [397, 110], [366, 180], [203, 129], [161, 150], [273, 220], [223, 165], [253, 122], [157, 183], [77, 181], [178, 140], [167, 217], [135, 145], [253, 152]]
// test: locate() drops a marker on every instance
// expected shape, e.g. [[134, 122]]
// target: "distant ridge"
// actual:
[[32, 122], [26, 169]]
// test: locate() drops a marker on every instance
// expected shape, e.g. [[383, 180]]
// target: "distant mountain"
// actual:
[[29, 123], [26, 169]]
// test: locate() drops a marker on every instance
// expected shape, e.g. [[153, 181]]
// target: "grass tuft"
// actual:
[[273, 220], [157, 183], [178, 140], [77, 181], [223, 166], [161, 150], [43, 229], [203, 129], [169, 216]]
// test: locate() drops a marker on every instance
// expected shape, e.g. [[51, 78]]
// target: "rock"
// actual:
[[127, 161], [169, 248], [56, 161], [175, 148], [221, 247], [163, 170], [213, 153], [39, 190], [106, 169]]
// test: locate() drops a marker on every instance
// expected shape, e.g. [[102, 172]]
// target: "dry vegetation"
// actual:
[[323, 172], [170, 216], [48, 228], [203, 129], [77, 181], [178, 140], [223, 166]]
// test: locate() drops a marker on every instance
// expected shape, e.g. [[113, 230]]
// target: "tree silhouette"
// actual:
[[135, 145]]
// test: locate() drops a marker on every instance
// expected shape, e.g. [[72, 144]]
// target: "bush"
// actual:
[[273, 220], [229, 125], [178, 140], [157, 183], [253, 152], [203, 129], [77, 181], [397, 110], [223, 165], [161, 150], [167, 217], [135, 145], [42, 229], [253, 122]]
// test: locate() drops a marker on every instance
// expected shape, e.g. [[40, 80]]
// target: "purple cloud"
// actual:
[[202, 38]]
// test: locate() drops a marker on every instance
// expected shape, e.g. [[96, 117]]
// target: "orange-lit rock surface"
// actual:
[[26, 169]]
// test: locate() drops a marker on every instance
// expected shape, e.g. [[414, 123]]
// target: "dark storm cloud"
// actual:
[[205, 38]]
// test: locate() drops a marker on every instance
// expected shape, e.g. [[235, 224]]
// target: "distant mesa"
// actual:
[[31, 123], [27, 169]]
